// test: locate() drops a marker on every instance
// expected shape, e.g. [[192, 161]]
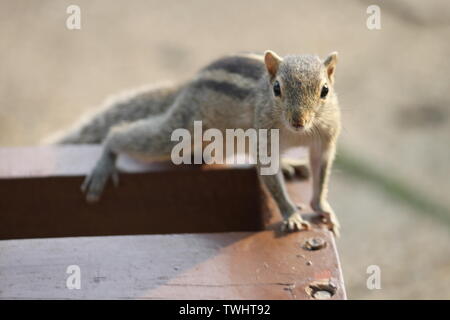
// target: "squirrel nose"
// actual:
[[298, 125]]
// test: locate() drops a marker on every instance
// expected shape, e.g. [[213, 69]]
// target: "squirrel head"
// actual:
[[301, 86]]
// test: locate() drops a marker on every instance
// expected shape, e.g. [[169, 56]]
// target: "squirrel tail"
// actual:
[[128, 107]]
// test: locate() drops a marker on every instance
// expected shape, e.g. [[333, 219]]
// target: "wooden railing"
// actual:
[[178, 232]]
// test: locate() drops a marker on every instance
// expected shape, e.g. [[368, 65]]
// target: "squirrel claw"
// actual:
[[332, 223], [295, 223]]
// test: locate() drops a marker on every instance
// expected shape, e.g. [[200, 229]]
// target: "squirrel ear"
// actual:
[[330, 64], [272, 61]]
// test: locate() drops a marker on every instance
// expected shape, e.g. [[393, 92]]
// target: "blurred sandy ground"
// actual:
[[393, 85]]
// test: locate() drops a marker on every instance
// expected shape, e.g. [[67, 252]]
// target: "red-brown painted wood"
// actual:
[[197, 232]]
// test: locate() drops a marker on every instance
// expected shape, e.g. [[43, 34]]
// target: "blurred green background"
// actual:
[[390, 187]]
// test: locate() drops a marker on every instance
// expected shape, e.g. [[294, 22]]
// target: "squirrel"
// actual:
[[294, 94]]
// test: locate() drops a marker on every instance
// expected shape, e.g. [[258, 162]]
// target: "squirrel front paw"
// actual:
[[329, 217], [294, 223], [331, 222], [96, 181]]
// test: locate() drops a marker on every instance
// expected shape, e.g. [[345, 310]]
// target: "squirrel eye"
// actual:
[[324, 91], [277, 89]]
